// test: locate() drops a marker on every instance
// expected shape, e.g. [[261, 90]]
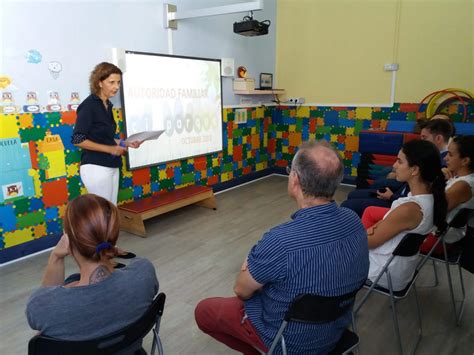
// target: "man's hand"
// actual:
[[245, 285], [61, 250], [387, 195], [244, 265]]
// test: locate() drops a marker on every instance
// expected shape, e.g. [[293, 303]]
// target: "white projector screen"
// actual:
[[181, 95]]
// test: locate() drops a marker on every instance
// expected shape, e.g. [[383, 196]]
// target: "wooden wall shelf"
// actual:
[[259, 92]]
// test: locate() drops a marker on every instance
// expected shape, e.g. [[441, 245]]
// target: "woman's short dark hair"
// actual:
[[465, 146], [90, 220], [426, 157], [101, 72]]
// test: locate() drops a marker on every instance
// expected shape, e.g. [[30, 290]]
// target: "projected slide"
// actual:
[[180, 95]]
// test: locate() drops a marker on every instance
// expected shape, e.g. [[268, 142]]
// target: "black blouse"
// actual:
[[96, 123]]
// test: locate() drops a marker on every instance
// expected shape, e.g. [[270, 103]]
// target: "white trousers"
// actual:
[[101, 180]]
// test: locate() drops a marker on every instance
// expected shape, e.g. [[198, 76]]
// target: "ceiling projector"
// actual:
[[250, 27]]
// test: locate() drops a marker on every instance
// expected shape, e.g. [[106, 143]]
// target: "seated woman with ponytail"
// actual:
[[104, 299], [419, 165], [459, 190]]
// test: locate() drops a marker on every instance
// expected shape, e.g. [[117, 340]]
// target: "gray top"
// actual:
[[88, 312]]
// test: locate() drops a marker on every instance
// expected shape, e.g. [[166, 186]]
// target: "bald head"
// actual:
[[319, 169]]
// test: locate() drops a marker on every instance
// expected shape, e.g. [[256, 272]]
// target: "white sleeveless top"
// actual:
[[455, 234], [401, 268]]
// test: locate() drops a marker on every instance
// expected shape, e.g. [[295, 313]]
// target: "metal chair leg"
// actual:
[[420, 329], [156, 343], [435, 274], [394, 314], [461, 307], [450, 283]]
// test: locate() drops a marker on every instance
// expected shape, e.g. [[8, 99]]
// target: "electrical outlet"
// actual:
[[390, 67], [295, 100], [240, 115]]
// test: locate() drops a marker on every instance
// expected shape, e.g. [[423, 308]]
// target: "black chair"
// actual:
[[309, 308], [109, 344], [408, 246], [455, 257]]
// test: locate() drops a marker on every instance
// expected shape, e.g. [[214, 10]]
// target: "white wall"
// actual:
[[80, 33]]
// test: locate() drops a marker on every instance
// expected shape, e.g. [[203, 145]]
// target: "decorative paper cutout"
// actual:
[[33, 56], [52, 149], [4, 82], [74, 101], [54, 104], [32, 104]]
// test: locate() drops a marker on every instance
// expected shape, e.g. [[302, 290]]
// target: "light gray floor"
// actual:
[[197, 253]]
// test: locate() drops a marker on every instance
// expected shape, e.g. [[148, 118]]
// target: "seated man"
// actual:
[[437, 131], [429, 132], [322, 250]]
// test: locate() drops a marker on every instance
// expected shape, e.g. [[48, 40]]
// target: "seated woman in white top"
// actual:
[[459, 188], [419, 165]]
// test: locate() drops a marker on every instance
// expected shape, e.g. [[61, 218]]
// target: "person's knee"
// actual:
[[204, 314]]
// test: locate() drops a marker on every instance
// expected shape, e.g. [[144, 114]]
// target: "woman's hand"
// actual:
[[448, 174], [61, 250], [117, 150], [134, 144]]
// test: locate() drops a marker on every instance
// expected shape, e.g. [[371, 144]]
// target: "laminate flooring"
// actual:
[[198, 252]]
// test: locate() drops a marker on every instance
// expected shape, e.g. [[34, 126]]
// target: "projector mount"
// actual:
[[248, 27]]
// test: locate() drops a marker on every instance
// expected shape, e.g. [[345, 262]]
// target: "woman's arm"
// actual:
[[457, 194], [111, 149], [54, 273], [404, 217]]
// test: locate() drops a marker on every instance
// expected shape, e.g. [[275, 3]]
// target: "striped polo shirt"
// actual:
[[323, 250]]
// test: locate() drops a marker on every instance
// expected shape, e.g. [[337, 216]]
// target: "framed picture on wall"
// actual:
[[266, 81]]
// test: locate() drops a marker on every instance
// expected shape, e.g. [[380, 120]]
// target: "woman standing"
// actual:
[[94, 133]]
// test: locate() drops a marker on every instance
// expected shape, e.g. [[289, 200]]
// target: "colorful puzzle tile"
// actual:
[[141, 176], [54, 227], [17, 237], [38, 231], [25, 120], [7, 218], [8, 126], [72, 169], [30, 219], [55, 192], [68, 117]]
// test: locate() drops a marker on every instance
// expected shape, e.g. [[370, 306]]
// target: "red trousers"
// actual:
[[224, 319], [372, 215]]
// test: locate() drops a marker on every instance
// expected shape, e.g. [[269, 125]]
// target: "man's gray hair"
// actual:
[[321, 176]]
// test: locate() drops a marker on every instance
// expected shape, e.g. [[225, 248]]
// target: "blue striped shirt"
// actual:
[[323, 250]]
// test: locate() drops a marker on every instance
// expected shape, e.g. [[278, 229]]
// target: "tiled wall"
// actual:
[[36, 150], [51, 171]]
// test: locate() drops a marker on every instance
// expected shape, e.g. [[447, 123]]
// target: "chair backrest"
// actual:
[[109, 344], [461, 218], [409, 245], [310, 308]]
